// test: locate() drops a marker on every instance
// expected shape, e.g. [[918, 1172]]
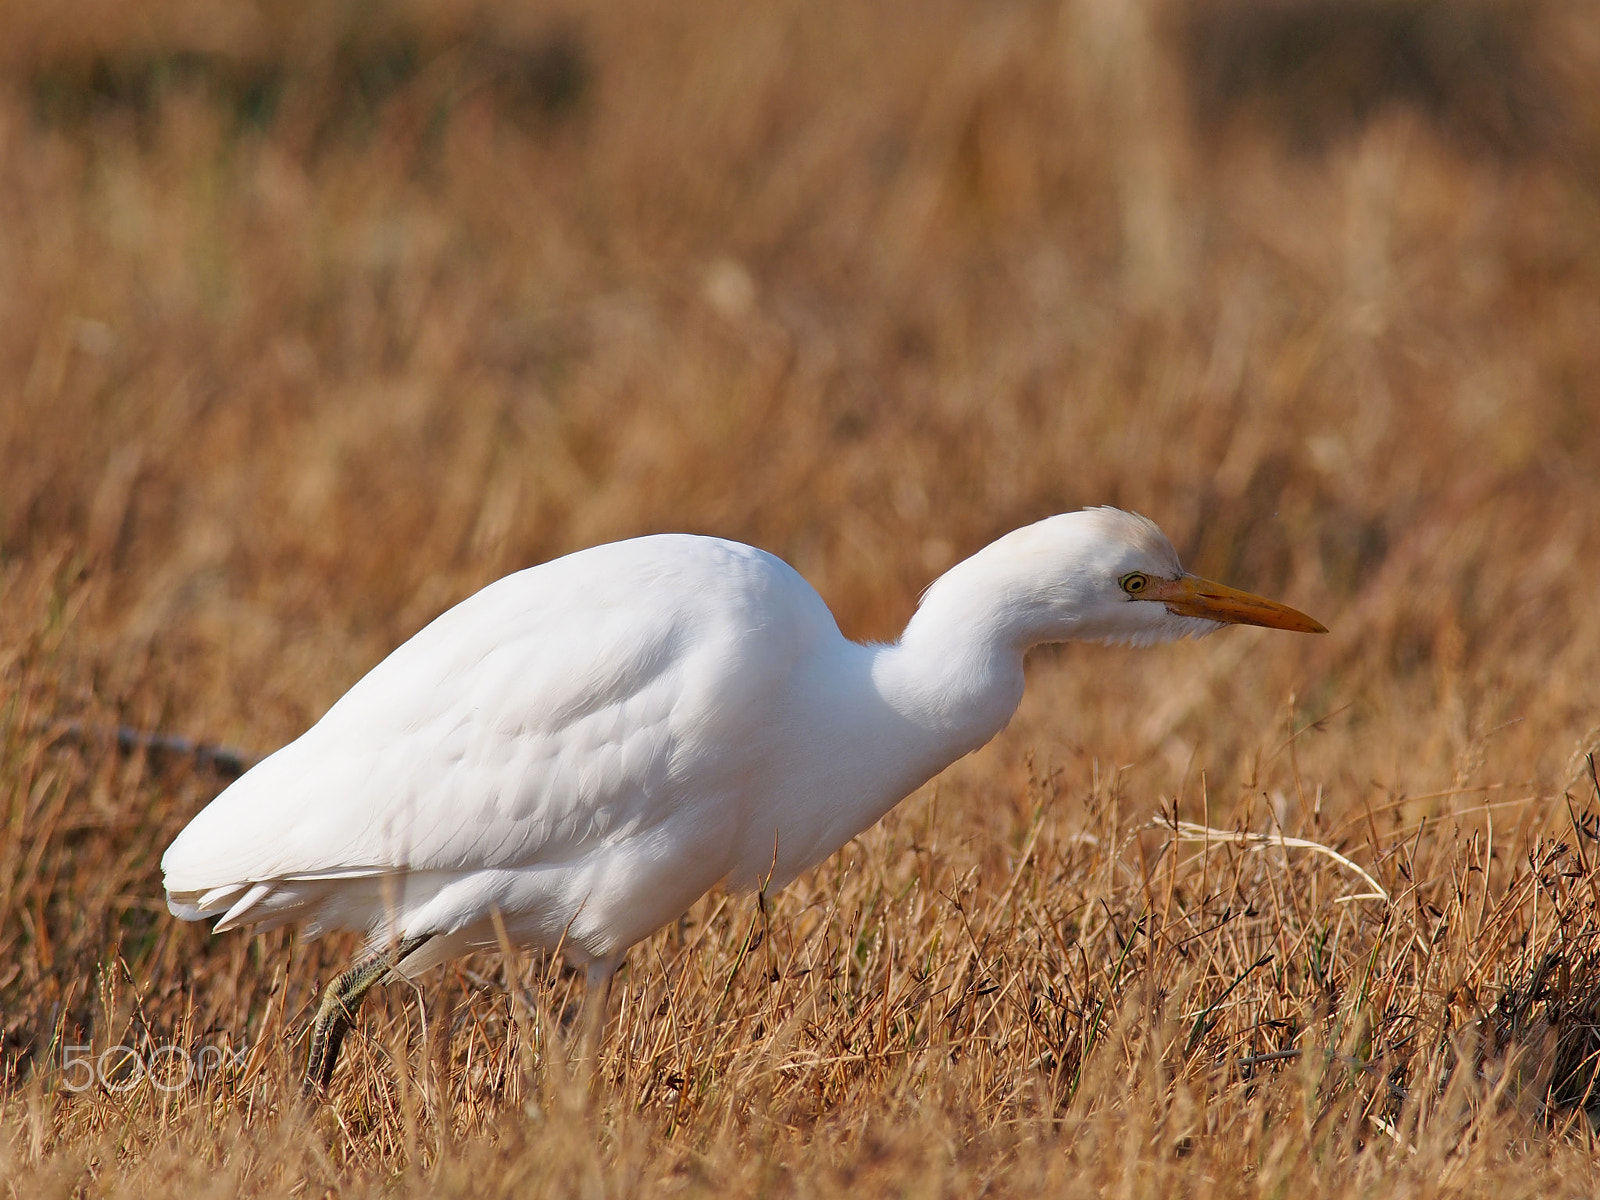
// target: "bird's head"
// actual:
[[1110, 576]]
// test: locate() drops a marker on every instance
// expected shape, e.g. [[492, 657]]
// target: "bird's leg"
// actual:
[[766, 934], [340, 1002], [596, 1001], [766, 913]]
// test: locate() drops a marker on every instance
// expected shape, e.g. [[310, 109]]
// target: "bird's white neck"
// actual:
[[956, 671], [944, 689]]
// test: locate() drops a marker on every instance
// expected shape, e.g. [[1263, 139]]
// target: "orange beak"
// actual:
[[1191, 596]]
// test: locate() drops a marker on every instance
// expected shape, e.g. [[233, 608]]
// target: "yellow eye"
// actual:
[[1133, 583]]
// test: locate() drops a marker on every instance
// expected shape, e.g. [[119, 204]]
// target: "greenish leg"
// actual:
[[340, 1003]]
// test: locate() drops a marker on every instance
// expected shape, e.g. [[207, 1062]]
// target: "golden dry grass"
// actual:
[[315, 318]]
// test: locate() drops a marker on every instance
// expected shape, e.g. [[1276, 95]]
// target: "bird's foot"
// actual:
[[337, 1013]]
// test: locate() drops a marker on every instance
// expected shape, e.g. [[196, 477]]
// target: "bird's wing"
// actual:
[[540, 718]]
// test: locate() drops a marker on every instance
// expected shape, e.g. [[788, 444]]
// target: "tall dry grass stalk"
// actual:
[[315, 318]]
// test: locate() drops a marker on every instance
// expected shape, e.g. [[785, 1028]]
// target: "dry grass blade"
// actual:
[[1190, 832]]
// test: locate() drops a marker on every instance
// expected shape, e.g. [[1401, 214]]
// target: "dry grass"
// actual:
[[316, 318]]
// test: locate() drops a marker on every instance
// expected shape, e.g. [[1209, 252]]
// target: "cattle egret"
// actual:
[[581, 750]]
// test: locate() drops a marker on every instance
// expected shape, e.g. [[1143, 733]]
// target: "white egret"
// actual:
[[584, 748]]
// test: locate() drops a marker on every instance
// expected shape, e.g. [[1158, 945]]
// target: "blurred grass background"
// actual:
[[314, 318]]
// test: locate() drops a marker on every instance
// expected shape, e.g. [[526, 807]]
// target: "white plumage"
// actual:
[[587, 746]]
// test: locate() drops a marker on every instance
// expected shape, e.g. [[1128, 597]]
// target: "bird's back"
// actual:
[[566, 725]]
